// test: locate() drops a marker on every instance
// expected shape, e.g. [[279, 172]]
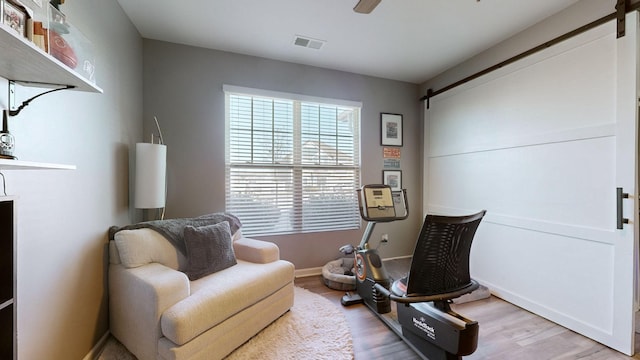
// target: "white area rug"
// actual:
[[314, 328]]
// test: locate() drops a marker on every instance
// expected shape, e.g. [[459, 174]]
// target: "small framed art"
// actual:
[[393, 178], [390, 129], [15, 17]]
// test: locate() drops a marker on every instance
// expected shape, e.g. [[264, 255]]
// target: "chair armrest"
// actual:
[[256, 251], [137, 298]]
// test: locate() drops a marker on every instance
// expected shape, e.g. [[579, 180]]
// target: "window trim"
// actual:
[[289, 96], [252, 92]]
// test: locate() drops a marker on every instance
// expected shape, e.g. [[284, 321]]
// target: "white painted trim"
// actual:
[[284, 95], [548, 227], [98, 347], [300, 273], [583, 133], [398, 257]]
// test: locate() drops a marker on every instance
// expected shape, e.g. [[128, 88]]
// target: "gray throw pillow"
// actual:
[[209, 249]]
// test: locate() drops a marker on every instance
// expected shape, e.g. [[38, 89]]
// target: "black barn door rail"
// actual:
[[622, 8]]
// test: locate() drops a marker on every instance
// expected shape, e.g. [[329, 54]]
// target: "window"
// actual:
[[292, 162]]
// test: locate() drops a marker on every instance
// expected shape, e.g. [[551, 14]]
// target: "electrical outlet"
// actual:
[[385, 237]]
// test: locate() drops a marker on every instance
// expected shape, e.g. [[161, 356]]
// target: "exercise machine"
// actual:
[[425, 320], [378, 204]]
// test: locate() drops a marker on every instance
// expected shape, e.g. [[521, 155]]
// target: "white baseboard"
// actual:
[[398, 257], [300, 273], [97, 348]]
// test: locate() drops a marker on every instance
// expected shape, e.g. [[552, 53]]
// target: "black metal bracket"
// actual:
[[620, 220], [621, 11], [12, 94]]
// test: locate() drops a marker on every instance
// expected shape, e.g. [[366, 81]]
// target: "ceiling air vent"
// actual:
[[308, 42]]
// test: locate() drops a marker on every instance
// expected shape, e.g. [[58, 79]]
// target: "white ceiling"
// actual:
[[407, 40]]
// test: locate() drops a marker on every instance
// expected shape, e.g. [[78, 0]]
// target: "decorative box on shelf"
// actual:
[[49, 29], [28, 19], [39, 23], [70, 46], [15, 16]]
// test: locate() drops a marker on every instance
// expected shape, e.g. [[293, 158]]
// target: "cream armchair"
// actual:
[[158, 313]]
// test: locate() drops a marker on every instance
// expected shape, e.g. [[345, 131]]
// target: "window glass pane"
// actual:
[[327, 120], [283, 132], [328, 195], [261, 198], [293, 166]]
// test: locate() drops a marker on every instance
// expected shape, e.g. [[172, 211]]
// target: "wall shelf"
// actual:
[[23, 62], [7, 164]]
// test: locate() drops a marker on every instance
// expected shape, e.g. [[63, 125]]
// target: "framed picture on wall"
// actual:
[[393, 178], [390, 129]]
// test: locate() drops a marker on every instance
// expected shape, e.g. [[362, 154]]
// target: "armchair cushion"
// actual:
[[209, 249], [217, 297]]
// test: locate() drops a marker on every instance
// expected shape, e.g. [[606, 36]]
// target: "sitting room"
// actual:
[[264, 120]]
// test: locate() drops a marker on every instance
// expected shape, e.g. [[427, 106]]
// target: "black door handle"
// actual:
[[620, 219]]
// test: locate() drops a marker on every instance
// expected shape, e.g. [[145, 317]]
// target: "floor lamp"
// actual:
[[151, 174]]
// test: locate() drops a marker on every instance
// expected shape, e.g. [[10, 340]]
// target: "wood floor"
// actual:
[[506, 331]]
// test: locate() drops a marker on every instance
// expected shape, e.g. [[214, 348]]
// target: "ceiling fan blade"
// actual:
[[366, 6]]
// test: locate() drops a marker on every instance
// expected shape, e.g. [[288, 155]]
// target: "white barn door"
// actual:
[[542, 144]]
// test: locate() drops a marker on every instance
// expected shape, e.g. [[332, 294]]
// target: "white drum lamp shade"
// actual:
[[151, 170]]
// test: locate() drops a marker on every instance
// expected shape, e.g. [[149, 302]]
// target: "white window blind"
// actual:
[[292, 165]]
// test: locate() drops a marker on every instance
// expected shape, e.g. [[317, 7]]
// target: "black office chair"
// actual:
[[439, 273]]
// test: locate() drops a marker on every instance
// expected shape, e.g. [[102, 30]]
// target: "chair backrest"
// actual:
[[441, 258]]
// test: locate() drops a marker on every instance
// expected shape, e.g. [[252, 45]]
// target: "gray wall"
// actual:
[[573, 17], [183, 88], [63, 216]]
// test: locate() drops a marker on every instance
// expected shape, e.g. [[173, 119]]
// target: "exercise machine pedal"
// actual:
[[349, 299]]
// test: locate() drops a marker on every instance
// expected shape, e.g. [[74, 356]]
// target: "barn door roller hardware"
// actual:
[[621, 11], [622, 8]]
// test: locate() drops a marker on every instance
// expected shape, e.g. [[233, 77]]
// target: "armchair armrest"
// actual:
[[138, 297], [256, 251]]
